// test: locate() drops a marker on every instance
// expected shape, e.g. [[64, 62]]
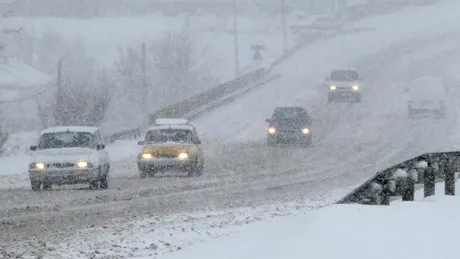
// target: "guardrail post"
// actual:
[[449, 172], [429, 181], [409, 189]]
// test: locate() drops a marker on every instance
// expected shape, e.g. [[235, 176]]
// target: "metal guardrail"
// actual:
[[183, 107], [400, 179]]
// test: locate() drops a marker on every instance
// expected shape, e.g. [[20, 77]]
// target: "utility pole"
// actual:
[[144, 76], [235, 33], [59, 113], [284, 26]]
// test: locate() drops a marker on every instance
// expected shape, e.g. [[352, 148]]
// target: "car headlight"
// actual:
[[271, 130], [305, 130], [332, 87], [182, 156], [147, 156], [82, 164], [39, 165], [355, 87]]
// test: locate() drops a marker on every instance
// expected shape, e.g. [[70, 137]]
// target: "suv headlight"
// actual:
[[355, 87], [271, 130], [332, 87], [305, 130]]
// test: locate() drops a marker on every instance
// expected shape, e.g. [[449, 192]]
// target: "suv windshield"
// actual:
[[66, 140], [344, 75], [165, 135], [291, 116]]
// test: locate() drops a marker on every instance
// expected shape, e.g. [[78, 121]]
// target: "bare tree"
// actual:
[[165, 72], [83, 91], [174, 63]]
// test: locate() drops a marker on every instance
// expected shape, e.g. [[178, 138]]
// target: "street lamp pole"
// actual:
[[235, 33]]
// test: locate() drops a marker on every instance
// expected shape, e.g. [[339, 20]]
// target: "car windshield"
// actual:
[[291, 116], [345, 75], [66, 140], [169, 135]]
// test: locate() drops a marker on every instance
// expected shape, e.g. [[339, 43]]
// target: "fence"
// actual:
[[401, 179]]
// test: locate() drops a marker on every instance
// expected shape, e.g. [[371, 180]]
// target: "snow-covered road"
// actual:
[[352, 141]]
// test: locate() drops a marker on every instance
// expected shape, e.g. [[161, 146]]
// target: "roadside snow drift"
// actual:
[[423, 229]]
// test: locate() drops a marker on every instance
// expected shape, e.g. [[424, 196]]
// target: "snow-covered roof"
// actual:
[[70, 128], [171, 126], [168, 121], [15, 75]]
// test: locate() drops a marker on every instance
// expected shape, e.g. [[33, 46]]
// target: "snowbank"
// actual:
[[348, 231]]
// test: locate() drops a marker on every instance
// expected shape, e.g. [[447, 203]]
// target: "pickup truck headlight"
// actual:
[[332, 87], [272, 130], [305, 130], [355, 87]]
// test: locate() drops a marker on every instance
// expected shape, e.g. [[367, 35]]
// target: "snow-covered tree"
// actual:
[[158, 73], [83, 91]]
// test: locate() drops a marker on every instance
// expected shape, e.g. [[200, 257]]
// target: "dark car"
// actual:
[[289, 125]]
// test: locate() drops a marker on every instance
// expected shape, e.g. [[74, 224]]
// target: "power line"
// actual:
[[26, 98]]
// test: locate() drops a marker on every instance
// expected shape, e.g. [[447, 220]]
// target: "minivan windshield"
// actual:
[[66, 140]]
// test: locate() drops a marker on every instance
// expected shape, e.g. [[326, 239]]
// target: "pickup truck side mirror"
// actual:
[[268, 120], [100, 146], [33, 148], [140, 143]]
